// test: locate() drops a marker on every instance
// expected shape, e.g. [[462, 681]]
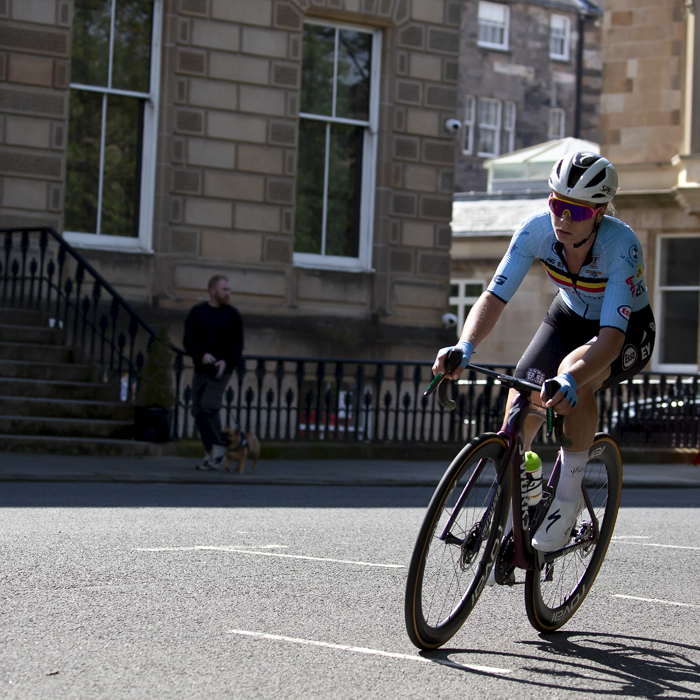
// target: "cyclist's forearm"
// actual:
[[599, 356], [482, 318]]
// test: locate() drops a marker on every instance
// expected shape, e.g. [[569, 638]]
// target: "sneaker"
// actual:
[[555, 530], [218, 453], [206, 465]]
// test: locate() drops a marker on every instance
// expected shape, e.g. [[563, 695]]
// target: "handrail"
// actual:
[[29, 283]]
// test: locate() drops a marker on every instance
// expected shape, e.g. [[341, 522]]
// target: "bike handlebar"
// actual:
[[555, 422]]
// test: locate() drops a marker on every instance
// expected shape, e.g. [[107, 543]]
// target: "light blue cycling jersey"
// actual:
[[609, 286]]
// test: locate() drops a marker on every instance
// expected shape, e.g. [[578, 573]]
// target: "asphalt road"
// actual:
[[187, 591]]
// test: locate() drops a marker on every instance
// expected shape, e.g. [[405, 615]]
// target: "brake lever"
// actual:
[[555, 422], [454, 357]]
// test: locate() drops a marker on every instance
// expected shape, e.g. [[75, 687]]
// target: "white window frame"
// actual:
[[363, 262], [509, 120], [495, 128], [656, 364], [554, 34], [505, 25], [144, 241], [462, 300], [556, 114], [468, 125]]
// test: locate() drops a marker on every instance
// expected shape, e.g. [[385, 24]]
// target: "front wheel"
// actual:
[[457, 543], [554, 594]]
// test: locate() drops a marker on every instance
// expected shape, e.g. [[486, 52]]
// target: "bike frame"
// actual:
[[513, 430]]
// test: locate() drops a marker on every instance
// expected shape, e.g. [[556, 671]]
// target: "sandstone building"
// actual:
[[298, 146]]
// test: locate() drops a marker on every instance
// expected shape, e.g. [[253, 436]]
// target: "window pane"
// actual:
[[344, 190], [679, 311], [493, 12], [317, 70], [354, 63], [487, 141], [454, 290], [488, 113], [308, 227], [122, 165], [83, 161], [131, 68], [681, 262], [491, 34], [473, 290], [90, 54]]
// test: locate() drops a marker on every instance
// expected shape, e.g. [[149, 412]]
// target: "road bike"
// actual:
[[462, 535]]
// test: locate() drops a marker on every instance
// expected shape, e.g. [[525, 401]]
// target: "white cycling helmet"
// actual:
[[586, 176]]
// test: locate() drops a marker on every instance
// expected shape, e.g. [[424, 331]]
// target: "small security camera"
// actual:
[[450, 320], [452, 126]]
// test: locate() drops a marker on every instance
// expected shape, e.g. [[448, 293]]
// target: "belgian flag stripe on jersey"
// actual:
[[563, 280]]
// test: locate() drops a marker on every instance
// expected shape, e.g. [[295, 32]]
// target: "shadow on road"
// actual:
[[95, 495], [42, 494], [606, 664]]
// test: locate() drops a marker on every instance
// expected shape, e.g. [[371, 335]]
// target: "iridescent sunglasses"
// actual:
[[576, 212]]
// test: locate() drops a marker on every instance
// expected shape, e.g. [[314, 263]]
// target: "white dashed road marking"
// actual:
[[236, 550], [656, 600], [372, 652]]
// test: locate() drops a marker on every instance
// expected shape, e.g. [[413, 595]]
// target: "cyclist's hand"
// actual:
[[465, 347], [565, 399]]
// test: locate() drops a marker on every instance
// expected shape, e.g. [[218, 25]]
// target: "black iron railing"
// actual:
[[40, 270], [346, 400], [307, 399]]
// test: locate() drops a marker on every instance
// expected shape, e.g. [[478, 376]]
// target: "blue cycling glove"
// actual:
[[466, 349], [567, 386]]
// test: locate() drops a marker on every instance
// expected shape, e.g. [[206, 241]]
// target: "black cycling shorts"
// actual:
[[562, 331]]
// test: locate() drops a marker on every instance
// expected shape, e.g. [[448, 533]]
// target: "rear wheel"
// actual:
[[457, 543], [554, 594]]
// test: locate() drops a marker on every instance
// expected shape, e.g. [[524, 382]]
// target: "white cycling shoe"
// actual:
[[555, 530]]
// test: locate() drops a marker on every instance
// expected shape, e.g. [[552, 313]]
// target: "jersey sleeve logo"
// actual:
[[500, 279], [625, 312]]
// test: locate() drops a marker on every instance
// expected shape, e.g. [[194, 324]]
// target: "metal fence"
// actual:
[[307, 399], [346, 400]]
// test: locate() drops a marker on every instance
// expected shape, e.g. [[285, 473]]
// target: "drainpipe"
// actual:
[[579, 75]]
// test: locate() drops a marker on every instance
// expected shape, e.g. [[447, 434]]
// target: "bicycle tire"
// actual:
[[446, 577], [552, 596]]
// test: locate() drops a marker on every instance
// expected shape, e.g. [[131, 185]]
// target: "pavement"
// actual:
[[309, 472]]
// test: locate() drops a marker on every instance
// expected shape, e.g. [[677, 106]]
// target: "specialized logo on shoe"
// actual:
[[556, 515]]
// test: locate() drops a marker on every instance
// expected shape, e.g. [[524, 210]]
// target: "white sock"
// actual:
[[573, 467]]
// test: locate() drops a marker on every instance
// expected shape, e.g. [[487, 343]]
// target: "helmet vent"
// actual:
[[597, 179], [574, 175]]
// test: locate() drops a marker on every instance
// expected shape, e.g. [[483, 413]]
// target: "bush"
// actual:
[[156, 381]]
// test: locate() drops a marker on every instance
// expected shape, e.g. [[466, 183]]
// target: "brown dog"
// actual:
[[240, 447]]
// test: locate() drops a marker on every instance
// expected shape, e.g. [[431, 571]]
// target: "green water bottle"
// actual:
[[533, 466]]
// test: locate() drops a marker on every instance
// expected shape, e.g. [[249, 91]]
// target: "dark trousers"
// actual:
[[207, 399]]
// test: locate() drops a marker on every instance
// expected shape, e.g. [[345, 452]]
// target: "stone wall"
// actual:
[[225, 188], [34, 75], [643, 80]]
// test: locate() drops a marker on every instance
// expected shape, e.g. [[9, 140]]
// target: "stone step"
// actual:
[[54, 371], [36, 352], [66, 427], [28, 317], [63, 408], [29, 334], [83, 446], [71, 390]]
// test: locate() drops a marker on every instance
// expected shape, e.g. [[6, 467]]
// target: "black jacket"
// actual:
[[218, 331]]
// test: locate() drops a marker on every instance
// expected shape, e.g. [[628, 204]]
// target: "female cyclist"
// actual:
[[599, 329]]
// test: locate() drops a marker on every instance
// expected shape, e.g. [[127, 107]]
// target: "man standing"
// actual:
[[214, 339]]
